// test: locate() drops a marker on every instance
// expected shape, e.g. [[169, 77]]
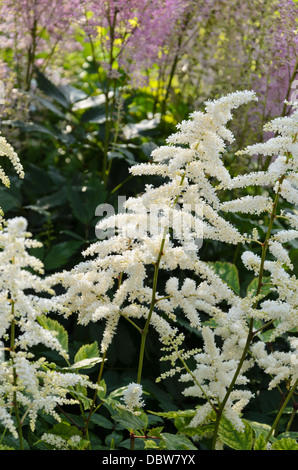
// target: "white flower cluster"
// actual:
[[7, 150], [61, 443], [19, 275], [116, 280], [132, 397], [37, 387], [214, 372]]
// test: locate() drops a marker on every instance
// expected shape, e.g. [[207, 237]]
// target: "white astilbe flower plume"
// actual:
[[6, 150], [213, 374], [132, 397], [26, 299], [20, 274], [177, 215], [162, 231]]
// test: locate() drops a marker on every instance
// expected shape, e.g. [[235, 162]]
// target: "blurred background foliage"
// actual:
[[92, 87]]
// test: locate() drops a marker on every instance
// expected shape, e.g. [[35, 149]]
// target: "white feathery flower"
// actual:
[[7, 150], [132, 397], [214, 372], [280, 253], [248, 205], [280, 365], [251, 261]]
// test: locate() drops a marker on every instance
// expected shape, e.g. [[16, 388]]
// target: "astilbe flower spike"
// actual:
[[6, 150], [163, 227], [93, 289], [26, 297]]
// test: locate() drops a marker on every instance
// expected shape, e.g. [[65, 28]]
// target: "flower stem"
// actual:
[[15, 378], [276, 421], [145, 330], [251, 334], [153, 297], [87, 421]]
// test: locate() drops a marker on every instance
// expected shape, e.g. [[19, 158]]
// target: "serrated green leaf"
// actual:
[[235, 439], [228, 272], [175, 414], [55, 327], [80, 393], [156, 432], [3, 447], [177, 442], [131, 421], [197, 431], [85, 363], [87, 351], [260, 442], [285, 443], [259, 428], [103, 391], [151, 444], [253, 285]]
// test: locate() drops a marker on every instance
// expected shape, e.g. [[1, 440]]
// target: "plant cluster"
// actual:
[[170, 324]]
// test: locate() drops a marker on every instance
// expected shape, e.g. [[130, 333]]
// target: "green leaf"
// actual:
[[78, 206], [260, 442], [175, 414], [235, 439], [55, 327], [197, 431], [148, 147], [289, 434], [7, 201], [228, 273], [294, 258], [96, 115], [85, 363], [72, 94], [3, 447], [177, 442], [87, 351], [259, 428], [80, 394], [253, 286], [285, 443], [103, 390], [102, 421], [131, 421], [83, 204], [50, 89], [59, 254], [50, 106]]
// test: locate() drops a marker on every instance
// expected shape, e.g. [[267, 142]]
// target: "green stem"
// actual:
[[294, 411], [153, 300], [153, 297], [251, 334], [87, 421], [15, 379], [229, 391], [277, 419]]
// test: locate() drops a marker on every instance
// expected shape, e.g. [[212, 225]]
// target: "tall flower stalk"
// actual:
[[29, 385]]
